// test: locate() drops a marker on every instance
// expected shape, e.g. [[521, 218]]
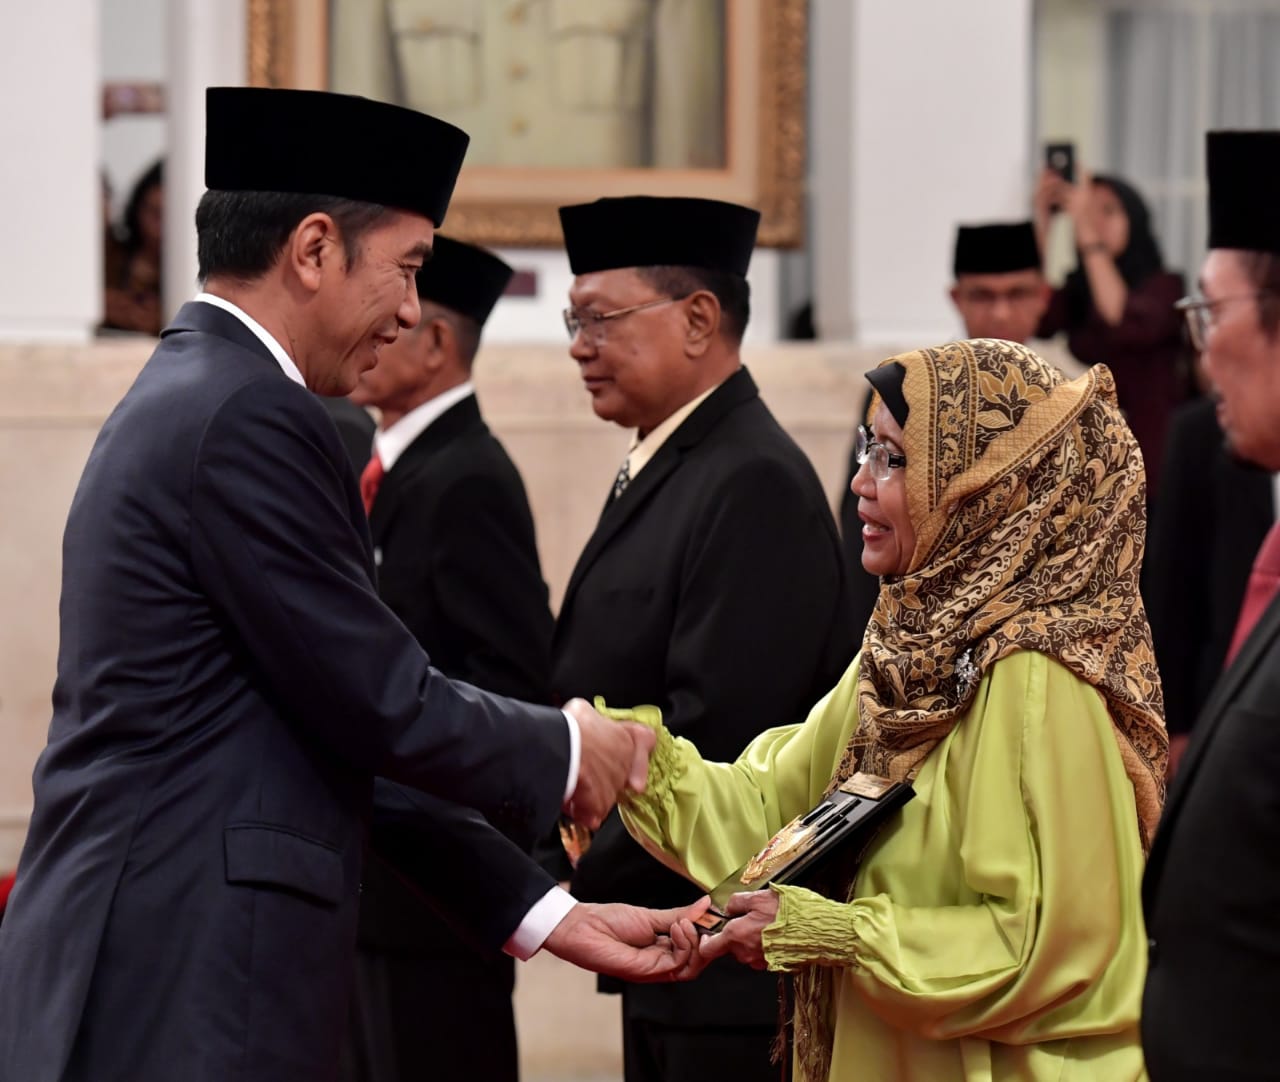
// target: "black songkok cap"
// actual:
[[887, 379], [650, 231], [1000, 248], [1244, 208], [463, 277], [311, 142]]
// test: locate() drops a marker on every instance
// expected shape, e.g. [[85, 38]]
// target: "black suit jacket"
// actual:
[[1211, 893], [714, 587], [457, 561], [228, 685], [355, 428], [1210, 517]]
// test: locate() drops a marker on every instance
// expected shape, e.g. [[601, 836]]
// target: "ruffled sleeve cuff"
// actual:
[[665, 762], [809, 930]]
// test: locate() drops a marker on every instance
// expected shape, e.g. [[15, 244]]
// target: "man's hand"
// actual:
[[615, 755], [634, 944], [752, 914]]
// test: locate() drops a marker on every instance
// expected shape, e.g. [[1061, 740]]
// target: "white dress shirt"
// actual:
[[643, 450], [391, 442]]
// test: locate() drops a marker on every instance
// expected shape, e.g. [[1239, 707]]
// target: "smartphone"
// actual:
[[1061, 159]]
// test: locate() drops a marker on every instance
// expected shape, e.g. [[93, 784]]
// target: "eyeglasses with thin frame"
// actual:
[[866, 449], [592, 324], [1198, 310]]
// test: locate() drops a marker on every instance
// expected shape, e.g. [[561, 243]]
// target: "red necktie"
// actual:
[[370, 479], [1264, 583]]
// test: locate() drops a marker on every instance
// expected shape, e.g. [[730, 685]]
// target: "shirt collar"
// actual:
[[643, 450], [260, 332], [391, 442]]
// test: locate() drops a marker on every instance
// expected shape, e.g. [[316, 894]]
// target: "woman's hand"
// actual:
[[1050, 195], [1078, 203], [752, 914]]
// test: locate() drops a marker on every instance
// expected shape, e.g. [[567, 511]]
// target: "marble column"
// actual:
[[924, 121], [51, 270]]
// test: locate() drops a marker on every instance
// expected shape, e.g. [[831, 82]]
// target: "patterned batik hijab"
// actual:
[[1028, 499]]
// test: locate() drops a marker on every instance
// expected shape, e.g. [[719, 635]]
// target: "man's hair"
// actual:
[[1263, 271], [466, 331], [241, 234], [731, 290]]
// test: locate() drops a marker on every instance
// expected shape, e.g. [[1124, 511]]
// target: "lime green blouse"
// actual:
[[995, 931]]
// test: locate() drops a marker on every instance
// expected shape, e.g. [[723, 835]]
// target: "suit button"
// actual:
[[1151, 951]]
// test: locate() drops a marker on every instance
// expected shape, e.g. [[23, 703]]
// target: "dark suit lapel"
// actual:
[[457, 421], [731, 394], [1224, 692]]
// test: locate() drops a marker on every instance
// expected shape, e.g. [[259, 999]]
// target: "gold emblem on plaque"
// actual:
[[792, 840]]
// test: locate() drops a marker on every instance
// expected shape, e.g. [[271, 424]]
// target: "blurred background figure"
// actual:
[[132, 272], [1116, 306], [1000, 290]]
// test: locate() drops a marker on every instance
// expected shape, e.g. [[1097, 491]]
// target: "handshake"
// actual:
[[614, 756]]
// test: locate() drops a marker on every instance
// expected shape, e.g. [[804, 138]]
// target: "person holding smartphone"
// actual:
[[1116, 306]]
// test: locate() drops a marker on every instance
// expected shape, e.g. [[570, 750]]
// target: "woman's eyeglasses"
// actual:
[[882, 460]]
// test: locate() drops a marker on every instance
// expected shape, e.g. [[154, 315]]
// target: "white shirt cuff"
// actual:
[[539, 923], [575, 754]]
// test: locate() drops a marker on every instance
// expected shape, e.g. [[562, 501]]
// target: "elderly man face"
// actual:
[[629, 343], [1241, 357]]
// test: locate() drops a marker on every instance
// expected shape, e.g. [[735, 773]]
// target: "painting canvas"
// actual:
[[569, 100]]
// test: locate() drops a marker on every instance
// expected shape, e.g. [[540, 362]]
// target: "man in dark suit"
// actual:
[[999, 292], [1211, 893], [453, 540], [1211, 514], [713, 585], [229, 682]]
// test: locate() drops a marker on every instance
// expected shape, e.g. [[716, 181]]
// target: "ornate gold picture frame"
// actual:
[[762, 95]]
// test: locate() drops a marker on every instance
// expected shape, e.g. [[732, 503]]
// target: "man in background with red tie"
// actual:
[[1212, 888], [456, 557]]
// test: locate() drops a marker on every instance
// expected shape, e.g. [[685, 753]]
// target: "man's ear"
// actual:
[[312, 249], [437, 342], [954, 294], [702, 322]]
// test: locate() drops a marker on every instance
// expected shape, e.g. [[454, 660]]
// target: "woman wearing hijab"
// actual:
[[993, 929], [1116, 307], [132, 298]]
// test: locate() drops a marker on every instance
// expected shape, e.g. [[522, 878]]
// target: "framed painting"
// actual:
[[570, 100]]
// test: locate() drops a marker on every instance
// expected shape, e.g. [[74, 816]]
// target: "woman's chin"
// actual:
[[877, 567]]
